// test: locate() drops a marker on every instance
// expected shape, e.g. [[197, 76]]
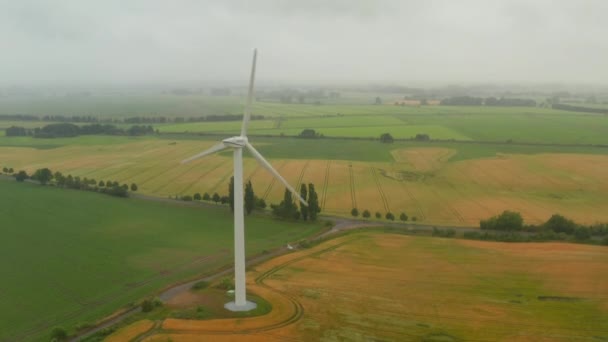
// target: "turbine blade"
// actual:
[[247, 113], [274, 172], [207, 152]]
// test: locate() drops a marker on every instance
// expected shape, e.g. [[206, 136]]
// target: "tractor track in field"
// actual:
[[204, 174], [414, 199], [255, 172], [157, 174], [191, 167], [325, 184], [118, 171], [455, 212], [272, 182], [152, 146], [353, 197], [299, 182], [380, 191]]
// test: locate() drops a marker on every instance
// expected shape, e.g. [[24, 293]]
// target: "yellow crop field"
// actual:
[[351, 288], [423, 182]]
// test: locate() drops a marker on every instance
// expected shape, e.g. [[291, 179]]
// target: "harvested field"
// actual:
[[352, 288]]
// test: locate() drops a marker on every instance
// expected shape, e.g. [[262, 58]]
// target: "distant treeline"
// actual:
[[561, 106], [135, 119], [54, 118], [66, 130], [488, 101]]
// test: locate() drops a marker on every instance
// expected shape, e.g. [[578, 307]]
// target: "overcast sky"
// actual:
[[400, 41]]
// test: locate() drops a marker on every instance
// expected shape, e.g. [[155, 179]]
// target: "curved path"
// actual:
[[286, 309]]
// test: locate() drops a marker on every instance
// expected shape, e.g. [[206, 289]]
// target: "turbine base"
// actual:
[[247, 307]]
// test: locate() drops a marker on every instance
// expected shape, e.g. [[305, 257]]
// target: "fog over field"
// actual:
[[117, 42]]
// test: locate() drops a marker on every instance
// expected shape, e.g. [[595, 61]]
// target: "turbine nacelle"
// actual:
[[236, 142]]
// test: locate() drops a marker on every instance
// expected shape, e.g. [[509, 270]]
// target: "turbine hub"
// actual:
[[236, 142]]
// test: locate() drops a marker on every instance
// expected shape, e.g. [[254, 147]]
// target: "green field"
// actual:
[[71, 257], [341, 119]]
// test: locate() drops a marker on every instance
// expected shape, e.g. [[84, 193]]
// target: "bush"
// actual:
[[199, 285], [508, 221], [354, 212], [187, 198], [147, 305], [605, 241], [366, 213], [59, 334], [560, 224], [21, 176], [304, 244], [378, 215], [414, 218], [225, 284]]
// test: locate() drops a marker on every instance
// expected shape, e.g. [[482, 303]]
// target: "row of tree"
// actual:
[[512, 221], [488, 101], [389, 216], [60, 130], [45, 176], [287, 209]]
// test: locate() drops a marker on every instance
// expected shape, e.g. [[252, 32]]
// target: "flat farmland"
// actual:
[[439, 290], [436, 183], [529, 125], [95, 253]]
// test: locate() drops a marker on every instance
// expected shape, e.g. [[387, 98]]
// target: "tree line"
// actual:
[[45, 176], [66, 130], [488, 101], [134, 119], [388, 216], [287, 209], [557, 227], [561, 106]]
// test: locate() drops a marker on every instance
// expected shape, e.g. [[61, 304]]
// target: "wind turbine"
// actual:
[[237, 143]]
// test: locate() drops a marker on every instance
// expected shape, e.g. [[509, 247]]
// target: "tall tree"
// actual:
[[287, 209], [231, 193], [313, 202], [303, 208], [249, 197], [21, 176], [43, 175], [216, 197]]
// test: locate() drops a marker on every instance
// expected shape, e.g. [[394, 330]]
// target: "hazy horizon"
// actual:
[[341, 42]]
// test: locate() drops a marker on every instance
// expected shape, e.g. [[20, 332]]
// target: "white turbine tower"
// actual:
[[237, 143]]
